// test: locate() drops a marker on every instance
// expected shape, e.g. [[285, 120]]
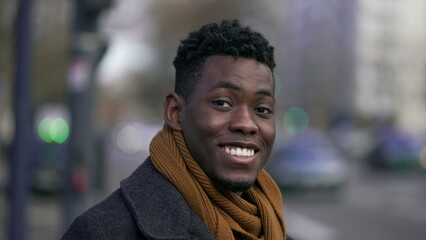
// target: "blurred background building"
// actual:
[[391, 82], [319, 61], [351, 71]]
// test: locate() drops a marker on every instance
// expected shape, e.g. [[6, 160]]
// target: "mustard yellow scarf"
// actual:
[[227, 215]]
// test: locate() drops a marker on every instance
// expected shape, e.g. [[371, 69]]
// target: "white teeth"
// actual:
[[240, 152]]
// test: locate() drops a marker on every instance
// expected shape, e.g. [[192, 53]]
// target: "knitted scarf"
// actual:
[[256, 216]]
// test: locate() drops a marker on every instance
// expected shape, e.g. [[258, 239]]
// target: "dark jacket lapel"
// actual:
[[158, 207]]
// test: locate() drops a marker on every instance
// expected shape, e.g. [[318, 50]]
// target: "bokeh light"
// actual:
[[59, 130], [296, 120], [129, 139], [53, 130], [43, 129]]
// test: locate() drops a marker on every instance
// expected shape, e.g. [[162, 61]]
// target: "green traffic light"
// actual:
[[59, 130], [43, 129], [53, 130]]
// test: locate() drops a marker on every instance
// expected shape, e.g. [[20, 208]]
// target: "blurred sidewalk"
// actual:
[[44, 218], [44, 212]]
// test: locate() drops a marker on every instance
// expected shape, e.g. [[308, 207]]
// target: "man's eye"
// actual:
[[222, 103], [263, 110]]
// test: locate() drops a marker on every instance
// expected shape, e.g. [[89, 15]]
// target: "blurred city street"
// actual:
[[82, 85], [373, 206]]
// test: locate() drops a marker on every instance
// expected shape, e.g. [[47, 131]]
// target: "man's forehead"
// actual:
[[235, 66]]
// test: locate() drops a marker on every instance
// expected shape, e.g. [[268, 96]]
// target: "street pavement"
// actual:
[[374, 206]]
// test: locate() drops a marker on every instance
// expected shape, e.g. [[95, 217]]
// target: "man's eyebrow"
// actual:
[[265, 92], [223, 84]]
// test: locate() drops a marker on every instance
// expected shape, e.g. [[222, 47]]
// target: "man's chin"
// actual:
[[235, 186]]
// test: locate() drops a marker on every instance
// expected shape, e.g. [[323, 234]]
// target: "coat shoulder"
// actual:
[[110, 219], [146, 205]]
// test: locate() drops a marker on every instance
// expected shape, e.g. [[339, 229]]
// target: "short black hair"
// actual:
[[227, 39]]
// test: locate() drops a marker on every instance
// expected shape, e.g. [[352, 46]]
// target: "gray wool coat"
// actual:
[[146, 206]]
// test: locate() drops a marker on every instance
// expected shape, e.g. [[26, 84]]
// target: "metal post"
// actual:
[[82, 144], [22, 143]]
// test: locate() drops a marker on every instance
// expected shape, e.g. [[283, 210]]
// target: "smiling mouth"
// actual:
[[239, 151]]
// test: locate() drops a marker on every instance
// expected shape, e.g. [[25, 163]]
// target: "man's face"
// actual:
[[228, 123]]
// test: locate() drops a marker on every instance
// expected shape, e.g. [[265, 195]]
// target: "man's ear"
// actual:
[[173, 106]]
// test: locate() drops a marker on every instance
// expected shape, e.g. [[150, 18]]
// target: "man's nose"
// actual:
[[243, 121]]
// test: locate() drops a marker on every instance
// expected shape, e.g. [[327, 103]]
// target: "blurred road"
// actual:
[[373, 206]]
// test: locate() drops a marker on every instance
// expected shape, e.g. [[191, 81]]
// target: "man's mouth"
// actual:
[[239, 151]]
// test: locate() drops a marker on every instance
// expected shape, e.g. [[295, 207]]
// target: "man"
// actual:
[[204, 177]]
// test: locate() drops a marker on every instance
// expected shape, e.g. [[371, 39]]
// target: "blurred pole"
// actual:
[[21, 146], [82, 170], [80, 106]]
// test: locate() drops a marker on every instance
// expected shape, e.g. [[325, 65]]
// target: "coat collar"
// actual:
[[157, 206]]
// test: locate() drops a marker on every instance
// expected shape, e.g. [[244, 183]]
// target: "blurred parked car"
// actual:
[[308, 160], [355, 142], [396, 150]]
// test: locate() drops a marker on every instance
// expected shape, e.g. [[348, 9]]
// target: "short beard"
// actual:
[[233, 186]]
